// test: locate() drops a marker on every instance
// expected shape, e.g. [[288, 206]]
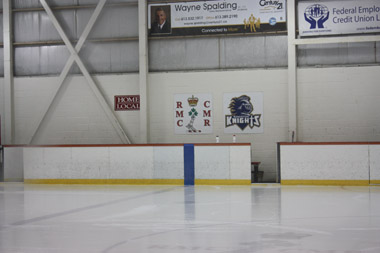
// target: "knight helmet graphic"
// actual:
[[241, 107]]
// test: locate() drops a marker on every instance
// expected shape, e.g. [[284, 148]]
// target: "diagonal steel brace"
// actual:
[[74, 57]]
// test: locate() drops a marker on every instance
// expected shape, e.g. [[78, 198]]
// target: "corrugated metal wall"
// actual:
[[99, 57], [339, 54], [38, 48]]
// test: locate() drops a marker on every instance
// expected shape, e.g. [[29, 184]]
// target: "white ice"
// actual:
[[121, 218]]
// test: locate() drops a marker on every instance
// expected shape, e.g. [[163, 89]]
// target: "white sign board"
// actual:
[[243, 112], [218, 16], [193, 114], [338, 17]]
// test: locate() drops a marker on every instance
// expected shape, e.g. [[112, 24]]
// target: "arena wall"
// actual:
[[334, 104], [330, 163], [130, 164]]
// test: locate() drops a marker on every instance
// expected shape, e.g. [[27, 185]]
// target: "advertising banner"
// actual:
[[193, 114], [338, 17], [243, 112], [216, 17]]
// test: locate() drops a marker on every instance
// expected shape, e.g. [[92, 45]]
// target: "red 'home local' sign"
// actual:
[[127, 103]]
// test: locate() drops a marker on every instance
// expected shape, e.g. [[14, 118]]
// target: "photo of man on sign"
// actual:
[[160, 15]]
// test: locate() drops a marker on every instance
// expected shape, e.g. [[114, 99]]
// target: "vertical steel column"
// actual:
[[292, 71], [8, 118], [143, 70]]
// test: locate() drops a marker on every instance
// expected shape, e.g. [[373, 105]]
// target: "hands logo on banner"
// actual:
[[316, 14]]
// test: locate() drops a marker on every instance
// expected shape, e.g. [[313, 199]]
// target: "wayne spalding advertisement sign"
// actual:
[[216, 17]]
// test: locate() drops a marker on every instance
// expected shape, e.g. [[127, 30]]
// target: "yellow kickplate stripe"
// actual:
[[374, 182], [106, 181], [326, 182], [221, 182], [13, 180]]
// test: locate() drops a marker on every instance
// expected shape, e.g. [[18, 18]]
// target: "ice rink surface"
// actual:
[[121, 218]]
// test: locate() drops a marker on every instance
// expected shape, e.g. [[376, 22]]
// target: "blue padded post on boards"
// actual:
[[188, 154]]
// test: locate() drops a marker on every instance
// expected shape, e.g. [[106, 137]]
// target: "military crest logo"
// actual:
[[193, 113]]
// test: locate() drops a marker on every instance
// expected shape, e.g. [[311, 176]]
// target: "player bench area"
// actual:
[[256, 175]]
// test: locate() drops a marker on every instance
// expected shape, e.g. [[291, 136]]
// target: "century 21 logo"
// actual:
[[274, 3]]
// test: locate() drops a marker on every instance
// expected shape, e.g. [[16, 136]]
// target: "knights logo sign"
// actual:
[[243, 112], [193, 113]]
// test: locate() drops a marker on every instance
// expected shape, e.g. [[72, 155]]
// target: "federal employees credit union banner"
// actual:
[[338, 17], [216, 17]]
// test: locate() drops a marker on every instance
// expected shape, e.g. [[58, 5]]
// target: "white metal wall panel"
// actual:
[[36, 26], [336, 54], [27, 61], [76, 117], [114, 57], [84, 2], [36, 3], [324, 162], [168, 162], [52, 60], [88, 163], [215, 53], [212, 162], [1, 62], [91, 162], [57, 163], [244, 52], [181, 54], [240, 162], [110, 57], [166, 54], [13, 164], [131, 162], [374, 157], [338, 104], [128, 162], [112, 23], [1, 23], [33, 164], [255, 51]]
